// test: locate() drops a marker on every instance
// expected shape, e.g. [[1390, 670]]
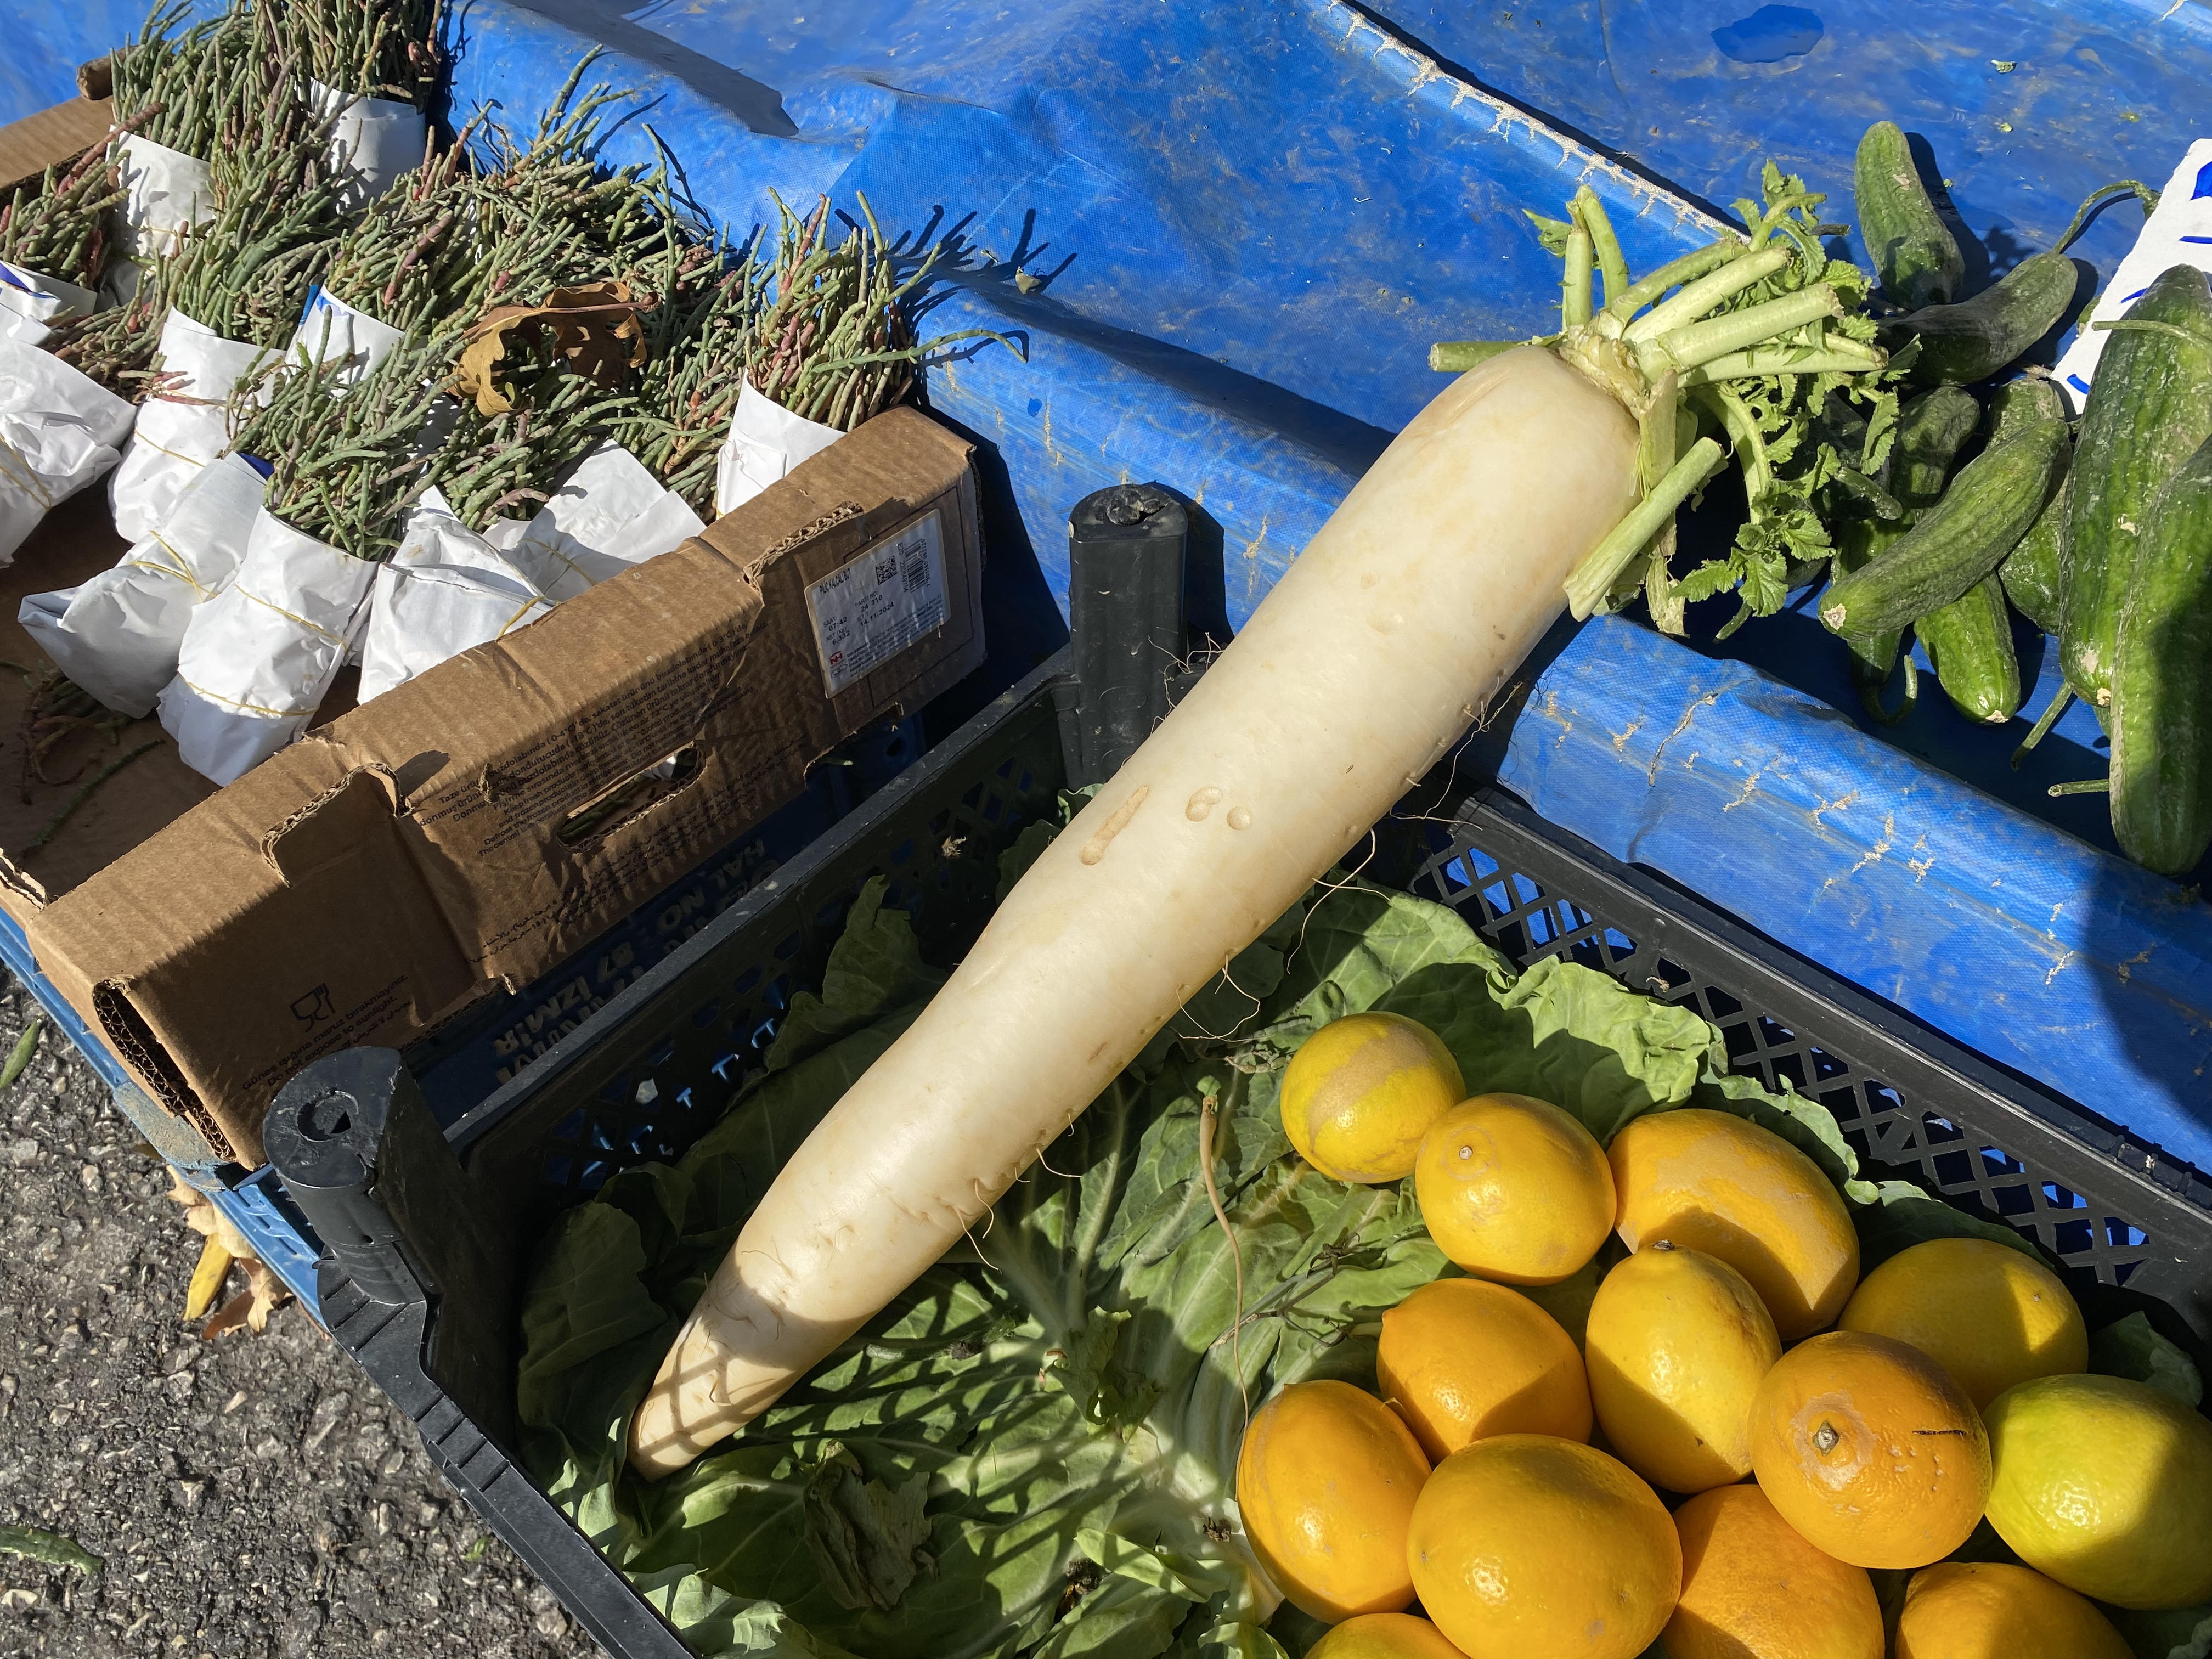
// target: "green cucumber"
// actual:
[[1956, 543], [1969, 641], [2022, 403], [2030, 573], [1975, 338], [2162, 721], [1931, 430], [1859, 542], [1913, 251], [2150, 412]]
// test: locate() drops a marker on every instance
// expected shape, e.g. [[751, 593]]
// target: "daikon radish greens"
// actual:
[[1033, 1449], [1404, 616]]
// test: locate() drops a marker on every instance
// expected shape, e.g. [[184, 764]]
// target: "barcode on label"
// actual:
[[869, 610]]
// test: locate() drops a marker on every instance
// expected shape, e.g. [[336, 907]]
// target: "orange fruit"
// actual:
[[1677, 1344], [1869, 1448], [1384, 1636], [1326, 1481], [1525, 1544], [1990, 1315], [1985, 1610], [2106, 1484], [1513, 1189], [1461, 1359], [1753, 1588], [1361, 1091], [1707, 1180]]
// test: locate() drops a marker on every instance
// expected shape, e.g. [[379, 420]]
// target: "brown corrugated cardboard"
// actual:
[[52, 138], [476, 825]]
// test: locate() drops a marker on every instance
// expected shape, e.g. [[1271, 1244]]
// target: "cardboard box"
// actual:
[[476, 826], [57, 136]]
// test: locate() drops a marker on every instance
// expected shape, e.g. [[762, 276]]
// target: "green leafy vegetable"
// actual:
[[1033, 1450], [2133, 1349]]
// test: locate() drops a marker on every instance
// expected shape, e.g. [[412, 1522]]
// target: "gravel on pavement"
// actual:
[[251, 1497]]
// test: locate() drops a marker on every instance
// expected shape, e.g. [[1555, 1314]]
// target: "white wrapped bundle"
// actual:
[[445, 590], [181, 426], [611, 514], [259, 657], [59, 431], [331, 328], [32, 302], [166, 192], [118, 636], [766, 442], [376, 141]]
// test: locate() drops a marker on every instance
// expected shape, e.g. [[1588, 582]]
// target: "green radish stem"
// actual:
[[1457, 356], [1687, 269], [2043, 723], [1699, 297], [2082, 787], [1610, 262], [1831, 356], [1574, 286], [1593, 579], [1738, 331]]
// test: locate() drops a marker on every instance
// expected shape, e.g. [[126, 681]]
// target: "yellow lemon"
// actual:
[[1984, 1610], [1513, 1189], [1753, 1588], [1384, 1636], [1708, 1181], [1988, 1314], [1461, 1359], [1868, 1448], [1361, 1091], [1677, 1345], [2105, 1485], [1525, 1545], [1326, 1481]]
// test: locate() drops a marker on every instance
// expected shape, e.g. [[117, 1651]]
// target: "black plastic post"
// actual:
[[1125, 547], [324, 1135]]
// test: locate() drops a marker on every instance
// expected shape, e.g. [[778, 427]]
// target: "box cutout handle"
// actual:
[[630, 797]]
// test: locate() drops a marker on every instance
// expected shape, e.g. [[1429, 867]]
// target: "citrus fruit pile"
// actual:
[[1746, 1426]]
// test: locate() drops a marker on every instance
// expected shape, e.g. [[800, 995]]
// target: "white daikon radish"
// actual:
[[1368, 660]]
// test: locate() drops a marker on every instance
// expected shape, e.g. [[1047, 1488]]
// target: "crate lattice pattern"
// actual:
[[654, 1103], [1514, 912]]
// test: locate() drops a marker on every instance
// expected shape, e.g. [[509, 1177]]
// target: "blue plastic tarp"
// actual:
[[2042, 952], [1224, 236]]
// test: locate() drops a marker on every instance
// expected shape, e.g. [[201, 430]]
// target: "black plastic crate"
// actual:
[[430, 1244]]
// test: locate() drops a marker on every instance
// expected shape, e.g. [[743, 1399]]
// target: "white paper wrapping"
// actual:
[[445, 590], [180, 428], [376, 141], [166, 194], [31, 302], [611, 514], [2178, 232], [118, 636], [59, 431], [330, 328], [766, 442], [260, 656]]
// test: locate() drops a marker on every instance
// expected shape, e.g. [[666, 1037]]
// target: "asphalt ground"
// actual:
[[251, 1498]]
